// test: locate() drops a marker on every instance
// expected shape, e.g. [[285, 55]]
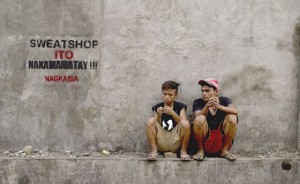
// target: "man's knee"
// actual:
[[200, 121], [151, 122], [185, 124], [231, 119]]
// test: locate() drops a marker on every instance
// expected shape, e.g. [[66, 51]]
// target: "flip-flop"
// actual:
[[185, 157], [198, 157], [152, 157], [229, 156]]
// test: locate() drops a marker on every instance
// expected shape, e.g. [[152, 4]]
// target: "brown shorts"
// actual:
[[168, 141]]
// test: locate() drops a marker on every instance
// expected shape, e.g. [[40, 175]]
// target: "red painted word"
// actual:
[[59, 78], [61, 54]]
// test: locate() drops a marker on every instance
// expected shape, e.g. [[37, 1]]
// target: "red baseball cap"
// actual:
[[211, 82]]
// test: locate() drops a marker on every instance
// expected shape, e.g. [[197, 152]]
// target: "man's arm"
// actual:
[[175, 116], [157, 115], [204, 111], [182, 115], [230, 109]]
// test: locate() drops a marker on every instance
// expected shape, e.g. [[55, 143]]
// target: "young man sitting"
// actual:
[[168, 130], [215, 123]]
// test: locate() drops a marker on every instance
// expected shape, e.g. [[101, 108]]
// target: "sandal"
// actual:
[[185, 157], [198, 157], [229, 156], [152, 157]]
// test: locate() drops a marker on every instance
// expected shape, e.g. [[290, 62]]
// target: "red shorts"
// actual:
[[214, 142]]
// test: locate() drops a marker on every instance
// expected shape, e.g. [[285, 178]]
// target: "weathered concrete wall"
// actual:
[[139, 171], [296, 38], [251, 47]]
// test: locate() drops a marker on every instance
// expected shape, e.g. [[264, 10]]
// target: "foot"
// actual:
[[185, 157], [152, 157], [199, 156], [229, 156]]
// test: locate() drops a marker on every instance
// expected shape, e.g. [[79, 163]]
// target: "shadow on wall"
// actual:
[[296, 41], [250, 86], [296, 52]]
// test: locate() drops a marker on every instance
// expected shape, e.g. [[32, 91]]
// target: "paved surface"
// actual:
[[65, 170]]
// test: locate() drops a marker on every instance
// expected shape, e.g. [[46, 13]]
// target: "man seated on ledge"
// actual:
[[215, 123], [168, 130]]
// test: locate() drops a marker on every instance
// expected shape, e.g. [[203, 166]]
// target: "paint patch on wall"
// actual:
[[296, 41], [251, 84]]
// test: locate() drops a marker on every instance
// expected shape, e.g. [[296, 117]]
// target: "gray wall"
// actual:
[[251, 47]]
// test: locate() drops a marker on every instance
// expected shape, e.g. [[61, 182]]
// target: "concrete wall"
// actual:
[[139, 171], [251, 47]]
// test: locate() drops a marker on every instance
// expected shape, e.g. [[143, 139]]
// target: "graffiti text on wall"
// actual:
[[63, 57]]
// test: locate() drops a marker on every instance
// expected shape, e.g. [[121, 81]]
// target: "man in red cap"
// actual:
[[215, 123]]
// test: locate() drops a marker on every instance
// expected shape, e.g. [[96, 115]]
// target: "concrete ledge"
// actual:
[[66, 170]]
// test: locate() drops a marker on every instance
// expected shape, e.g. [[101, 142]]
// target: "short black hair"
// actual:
[[170, 85]]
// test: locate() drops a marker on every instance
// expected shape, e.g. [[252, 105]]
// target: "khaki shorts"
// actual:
[[168, 141]]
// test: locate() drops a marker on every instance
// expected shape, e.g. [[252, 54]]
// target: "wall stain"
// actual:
[[17, 52], [281, 44], [76, 21], [251, 84], [296, 41], [24, 180], [50, 130], [75, 123], [296, 52]]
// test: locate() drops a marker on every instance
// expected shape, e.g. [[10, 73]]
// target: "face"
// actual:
[[208, 92], [169, 95]]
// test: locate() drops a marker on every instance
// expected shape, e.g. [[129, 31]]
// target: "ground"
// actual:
[[131, 154]]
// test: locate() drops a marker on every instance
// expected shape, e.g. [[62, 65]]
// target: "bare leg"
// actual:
[[151, 134], [229, 129], [200, 130], [185, 134]]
